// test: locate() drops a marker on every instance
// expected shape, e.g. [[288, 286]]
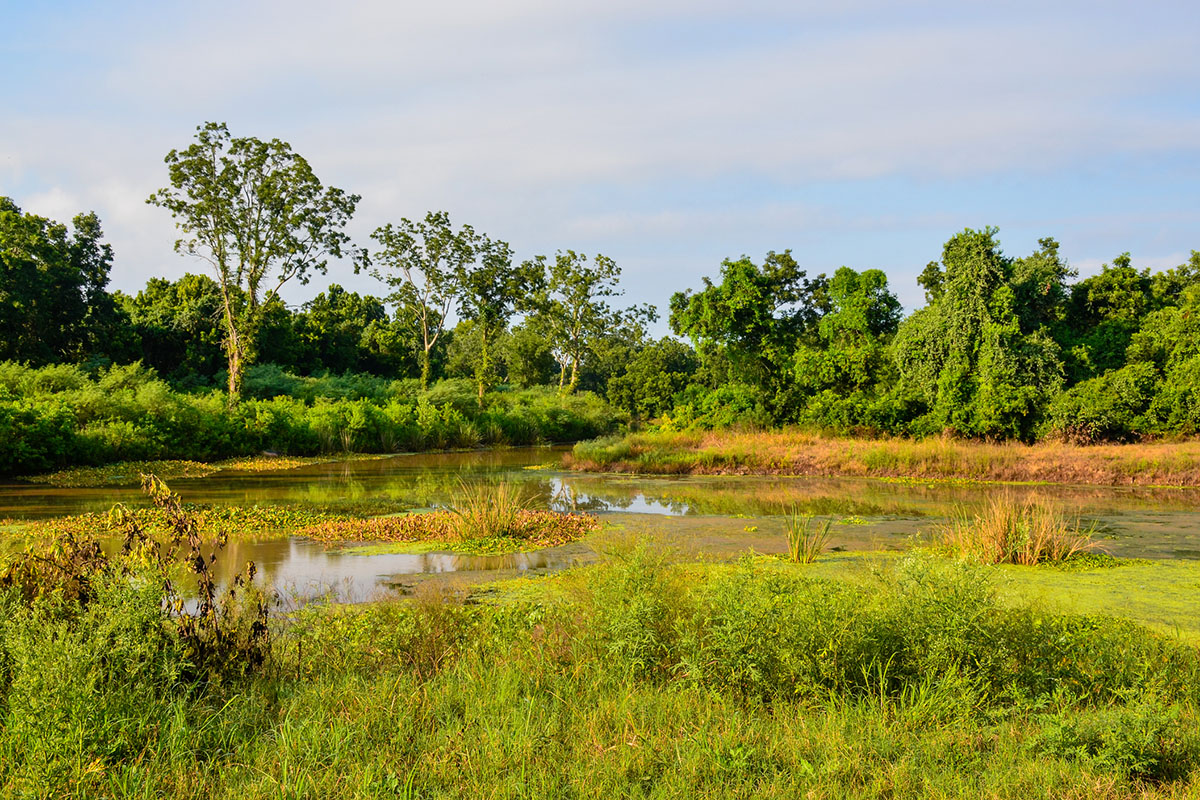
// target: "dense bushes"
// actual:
[[58, 416]]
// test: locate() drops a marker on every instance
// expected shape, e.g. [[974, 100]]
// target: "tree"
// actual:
[[333, 327], [850, 352], [572, 310], [178, 324], [53, 303], [258, 215], [490, 293], [966, 356], [653, 377], [751, 323], [424, 264]]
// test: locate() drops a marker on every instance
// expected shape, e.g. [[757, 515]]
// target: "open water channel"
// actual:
[[714, 516]]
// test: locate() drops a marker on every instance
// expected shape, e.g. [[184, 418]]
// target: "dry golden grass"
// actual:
[[798, 452], [1025, 532]]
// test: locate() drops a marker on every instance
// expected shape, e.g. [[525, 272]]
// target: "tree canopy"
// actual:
[[259, 216]]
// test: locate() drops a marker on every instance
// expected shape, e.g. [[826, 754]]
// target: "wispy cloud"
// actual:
[[597, 124]]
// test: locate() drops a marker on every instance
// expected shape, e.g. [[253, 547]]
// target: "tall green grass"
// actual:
[[805, 539], [640, 677]]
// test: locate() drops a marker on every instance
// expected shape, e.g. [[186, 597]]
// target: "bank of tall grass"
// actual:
[[637, 678], [62, 416], [801, 452]]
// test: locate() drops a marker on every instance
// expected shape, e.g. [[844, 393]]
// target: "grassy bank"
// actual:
[[637, 678], [61, 417], [795, 452]]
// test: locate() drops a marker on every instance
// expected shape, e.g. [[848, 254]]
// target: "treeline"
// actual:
[[1005, 347]]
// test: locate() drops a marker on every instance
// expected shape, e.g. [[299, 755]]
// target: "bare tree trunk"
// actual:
[[234, 352], [481, 372]]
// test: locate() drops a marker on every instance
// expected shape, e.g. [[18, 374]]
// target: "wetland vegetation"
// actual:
[[723, 629]]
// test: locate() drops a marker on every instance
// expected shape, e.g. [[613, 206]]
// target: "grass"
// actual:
[[1026, 532], [805, 540], [128, 473], [639, 678], [799, 452], [484, 511]]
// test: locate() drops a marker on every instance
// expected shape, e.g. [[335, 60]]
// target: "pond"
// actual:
[[717, 516]]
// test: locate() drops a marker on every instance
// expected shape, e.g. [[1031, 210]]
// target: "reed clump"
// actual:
[[1008, 531], [806, 539], [488, 511]]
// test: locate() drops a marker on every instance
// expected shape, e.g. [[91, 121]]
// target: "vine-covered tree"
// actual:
[[966, 356], [259, 216]]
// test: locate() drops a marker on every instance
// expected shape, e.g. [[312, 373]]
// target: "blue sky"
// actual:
[[666, 135]]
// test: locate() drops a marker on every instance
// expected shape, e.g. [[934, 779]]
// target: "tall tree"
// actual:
[[967, 356], [423, 262], [257, 213], [492, 290], [572, 307]]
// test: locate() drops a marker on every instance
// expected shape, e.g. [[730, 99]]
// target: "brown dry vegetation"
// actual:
[[796, 452]]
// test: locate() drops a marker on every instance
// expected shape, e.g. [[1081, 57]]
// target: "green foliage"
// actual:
[[1111, 407], [967, 357], [425, 264], [1147, 739], [752, 320], [53, 306], [129, 414], [570, 309], [651, 380], [638, 677], [260, 217]]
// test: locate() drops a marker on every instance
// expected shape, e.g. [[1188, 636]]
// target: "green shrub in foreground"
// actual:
[[637, 680]]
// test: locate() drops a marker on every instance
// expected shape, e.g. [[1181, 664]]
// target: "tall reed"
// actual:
[[486, 511], [1008, 531], [805, 540]]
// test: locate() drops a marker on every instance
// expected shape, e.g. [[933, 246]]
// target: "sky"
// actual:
[[666, 135]]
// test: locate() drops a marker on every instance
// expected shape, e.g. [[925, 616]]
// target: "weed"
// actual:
[[805, 540], [486, 511]]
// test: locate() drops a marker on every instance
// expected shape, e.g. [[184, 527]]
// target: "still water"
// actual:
[[700, 515]]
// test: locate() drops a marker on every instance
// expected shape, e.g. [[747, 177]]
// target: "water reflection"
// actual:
[[703, 514]]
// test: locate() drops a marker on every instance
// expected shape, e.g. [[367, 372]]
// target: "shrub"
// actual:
[[1110, 407]]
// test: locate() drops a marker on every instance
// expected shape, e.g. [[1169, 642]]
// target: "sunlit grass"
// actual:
[[1008, 531], [799, 452], [806, 539]]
